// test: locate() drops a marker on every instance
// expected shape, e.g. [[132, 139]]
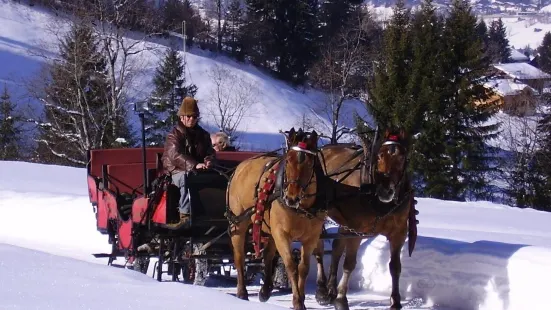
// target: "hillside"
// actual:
[[27, 37]]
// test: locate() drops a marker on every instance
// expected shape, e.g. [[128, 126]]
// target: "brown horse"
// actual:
[[385, 211], [287, 187]]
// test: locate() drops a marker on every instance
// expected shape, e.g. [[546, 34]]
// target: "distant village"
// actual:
[[518, 85]]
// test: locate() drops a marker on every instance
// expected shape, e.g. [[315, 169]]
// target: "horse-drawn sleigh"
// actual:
[[255, 205]]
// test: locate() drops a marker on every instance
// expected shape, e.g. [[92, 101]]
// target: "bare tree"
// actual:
[[521, 139], [342, 70], [230, 100], [120, 47]]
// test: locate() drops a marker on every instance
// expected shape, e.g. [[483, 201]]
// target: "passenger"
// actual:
[[221, 142], [188, 147]]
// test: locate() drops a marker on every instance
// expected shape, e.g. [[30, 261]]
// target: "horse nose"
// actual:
[[291, 201]]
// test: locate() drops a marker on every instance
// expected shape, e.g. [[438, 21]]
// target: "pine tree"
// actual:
[[465, 70], [541, 172], [294, 38], [170, 90], [334, 16], [390, 103], [10, 128], [425, 92], [75, 98], [498, 44], [257, 31], [544, 53], [482, 31], [234, 21]]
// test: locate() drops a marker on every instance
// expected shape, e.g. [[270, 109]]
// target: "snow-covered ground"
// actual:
[[475, 255], [524, 31]]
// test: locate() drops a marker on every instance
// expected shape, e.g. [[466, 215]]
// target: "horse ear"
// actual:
[[402, 133], [292, 136], [313, 140], [387, 133]]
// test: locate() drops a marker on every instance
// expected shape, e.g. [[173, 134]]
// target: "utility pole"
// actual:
[[184, 35]]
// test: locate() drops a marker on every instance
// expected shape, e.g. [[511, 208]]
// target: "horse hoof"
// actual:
[[322, 297], [300, 307], [264, 294], [341, 304], [243, 296]]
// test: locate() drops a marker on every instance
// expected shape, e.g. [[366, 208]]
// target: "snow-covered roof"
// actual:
[[505, 87], [518, 56], [522, 70]]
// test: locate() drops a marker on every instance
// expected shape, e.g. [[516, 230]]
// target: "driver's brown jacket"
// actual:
[[185, 148]]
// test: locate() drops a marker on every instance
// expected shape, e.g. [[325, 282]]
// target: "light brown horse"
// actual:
[[383, 211], [289, 215]]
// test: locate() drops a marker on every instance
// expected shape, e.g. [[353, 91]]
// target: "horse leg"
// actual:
[[336, 253], [352, 245], [322, 296], [268, 286], [238, 245], [283, 245], [395, 267], [308, 247]]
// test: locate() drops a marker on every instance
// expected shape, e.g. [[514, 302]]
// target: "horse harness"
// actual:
[[273, 188], [368, 164]]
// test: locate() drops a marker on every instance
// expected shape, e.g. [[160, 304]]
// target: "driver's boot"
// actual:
[[183, 223]]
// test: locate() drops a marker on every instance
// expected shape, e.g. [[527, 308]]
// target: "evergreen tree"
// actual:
[[174, 12], [542, 167], [498, 44], [170, 90], [233, 28], [425, 92], [75, 98], [334, 16], [464, 122], [294, 38], [282, 36], [544, 53], [482, 31], [390, 103], [10, 128], [257, 31]]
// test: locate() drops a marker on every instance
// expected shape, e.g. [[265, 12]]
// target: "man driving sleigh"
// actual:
[[188, 152]]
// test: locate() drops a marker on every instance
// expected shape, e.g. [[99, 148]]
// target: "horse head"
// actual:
[[299, 166], [391, 164]]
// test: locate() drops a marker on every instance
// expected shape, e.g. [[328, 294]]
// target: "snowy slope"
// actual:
[[27, 32], [475, 255]]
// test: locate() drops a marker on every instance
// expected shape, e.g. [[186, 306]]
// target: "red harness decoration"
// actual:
[[264, 192], [412, 231]]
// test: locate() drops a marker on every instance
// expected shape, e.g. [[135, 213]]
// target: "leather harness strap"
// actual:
[[264, 192]]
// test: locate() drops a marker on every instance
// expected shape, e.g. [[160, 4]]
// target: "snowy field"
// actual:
[[475, 255]]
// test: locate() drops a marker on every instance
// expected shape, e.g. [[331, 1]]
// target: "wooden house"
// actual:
[[512, 97]]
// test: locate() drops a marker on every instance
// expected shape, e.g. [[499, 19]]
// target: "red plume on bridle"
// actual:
[[394, 138]]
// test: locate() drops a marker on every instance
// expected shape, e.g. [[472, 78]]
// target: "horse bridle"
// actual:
[[393, 140], [301, 147], [373, 169]]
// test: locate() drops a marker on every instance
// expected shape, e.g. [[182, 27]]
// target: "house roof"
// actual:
[[505, 87], [522, 70], [518, 56]]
